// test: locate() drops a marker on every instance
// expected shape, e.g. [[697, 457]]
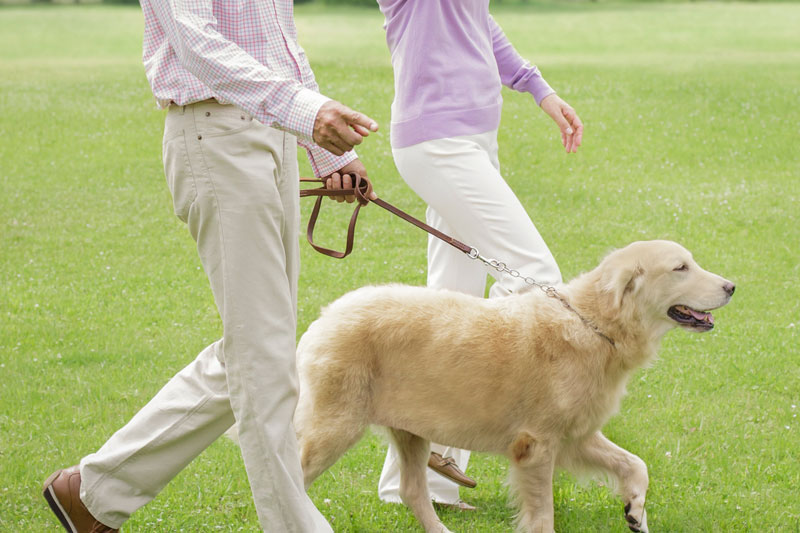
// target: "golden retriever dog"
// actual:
[[521, 376]]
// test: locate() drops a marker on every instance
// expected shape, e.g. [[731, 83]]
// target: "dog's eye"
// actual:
[[681, 268]]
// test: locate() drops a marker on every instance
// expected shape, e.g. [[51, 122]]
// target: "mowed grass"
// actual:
[[692, 134]]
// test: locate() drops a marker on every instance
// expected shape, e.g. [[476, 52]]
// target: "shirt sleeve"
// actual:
[[515, 72], [232, 73], [323, 163]]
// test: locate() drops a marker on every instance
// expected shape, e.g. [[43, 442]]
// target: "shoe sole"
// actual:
[[466, 508], [55, 505], [454, 480]]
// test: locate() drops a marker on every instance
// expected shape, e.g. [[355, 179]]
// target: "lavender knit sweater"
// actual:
[[450, 58]]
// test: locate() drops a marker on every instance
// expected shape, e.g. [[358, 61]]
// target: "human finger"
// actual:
[[345, 145], [330, 181], [354, 119], [578, 131], [347, 135], [361, 130], [567, 136], [338, 185], [563, 126], [570, 140], [329, 146], [347, 183], [577, 126], [334, 182], [338, 134]]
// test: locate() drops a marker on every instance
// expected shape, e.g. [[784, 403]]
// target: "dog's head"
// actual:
[[659, 285]]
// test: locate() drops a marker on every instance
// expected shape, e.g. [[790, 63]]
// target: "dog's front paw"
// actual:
[[636, 524]]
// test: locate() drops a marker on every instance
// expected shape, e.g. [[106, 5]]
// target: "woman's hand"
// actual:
[[567, 120]]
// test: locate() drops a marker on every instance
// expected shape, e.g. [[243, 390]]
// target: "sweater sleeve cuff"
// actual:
[[303, 113], [539, 89]]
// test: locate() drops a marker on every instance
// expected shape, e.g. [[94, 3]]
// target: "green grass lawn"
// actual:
[[692, 116]]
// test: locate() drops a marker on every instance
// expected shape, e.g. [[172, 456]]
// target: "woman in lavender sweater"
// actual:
[[450, 61]]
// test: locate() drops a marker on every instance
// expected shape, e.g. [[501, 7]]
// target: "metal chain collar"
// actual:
[[549, 290]]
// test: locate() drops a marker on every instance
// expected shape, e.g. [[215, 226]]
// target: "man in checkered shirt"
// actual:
[[240, 96]]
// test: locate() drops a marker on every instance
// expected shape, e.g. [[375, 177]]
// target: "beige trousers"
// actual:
[[459, 178], [234, 182]]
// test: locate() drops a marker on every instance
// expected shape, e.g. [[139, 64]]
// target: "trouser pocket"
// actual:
[[180, 178]]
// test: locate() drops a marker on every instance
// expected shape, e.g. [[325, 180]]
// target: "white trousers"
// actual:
[[234, 182], [459, 178]]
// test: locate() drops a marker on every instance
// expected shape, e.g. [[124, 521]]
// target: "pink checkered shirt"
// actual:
[[239, 52]]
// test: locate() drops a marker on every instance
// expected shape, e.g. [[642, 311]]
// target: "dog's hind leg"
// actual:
[[324, 435], [413, 452], [625, 470]]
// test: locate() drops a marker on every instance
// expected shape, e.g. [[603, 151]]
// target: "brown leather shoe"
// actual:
[[62, 492], [447, 467]]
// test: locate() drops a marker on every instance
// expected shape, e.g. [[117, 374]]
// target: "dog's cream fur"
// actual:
[[520, 376]]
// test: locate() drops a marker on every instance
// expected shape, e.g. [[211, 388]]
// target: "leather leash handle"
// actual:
[[362, 191]]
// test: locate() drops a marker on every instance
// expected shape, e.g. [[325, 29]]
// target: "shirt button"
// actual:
[[199, 137], [208, 113]]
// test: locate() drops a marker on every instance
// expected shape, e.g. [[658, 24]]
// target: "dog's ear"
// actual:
[[616, 282]]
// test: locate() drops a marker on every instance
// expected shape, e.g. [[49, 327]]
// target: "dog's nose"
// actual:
[[729, 288]]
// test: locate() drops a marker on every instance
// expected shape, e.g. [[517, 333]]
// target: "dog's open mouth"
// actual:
[[689, 318]]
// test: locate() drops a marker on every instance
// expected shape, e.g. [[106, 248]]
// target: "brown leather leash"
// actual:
[[362, 190]]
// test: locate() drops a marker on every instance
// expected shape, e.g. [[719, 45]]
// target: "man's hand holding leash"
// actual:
[[338, 129]]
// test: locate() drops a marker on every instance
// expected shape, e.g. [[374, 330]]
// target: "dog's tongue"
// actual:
[[703, 317]]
